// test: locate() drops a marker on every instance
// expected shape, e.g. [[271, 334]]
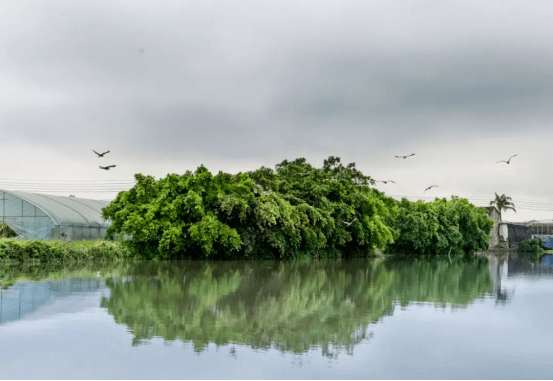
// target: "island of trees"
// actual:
[[295, 210]]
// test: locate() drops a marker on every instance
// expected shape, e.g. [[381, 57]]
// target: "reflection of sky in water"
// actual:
[[27, 297], [69, 336], [547, 261]]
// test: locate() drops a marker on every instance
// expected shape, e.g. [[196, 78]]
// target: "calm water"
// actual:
[[380, 319]]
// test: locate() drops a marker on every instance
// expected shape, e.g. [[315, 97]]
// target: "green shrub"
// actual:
[[48, 251], [532, 248]]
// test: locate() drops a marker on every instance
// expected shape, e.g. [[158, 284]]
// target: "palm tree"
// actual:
[[502, 203]]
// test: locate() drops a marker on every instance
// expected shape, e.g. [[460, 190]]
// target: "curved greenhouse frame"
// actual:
[[40, 216]]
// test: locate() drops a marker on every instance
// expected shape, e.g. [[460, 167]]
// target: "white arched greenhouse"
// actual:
[[40, 216]]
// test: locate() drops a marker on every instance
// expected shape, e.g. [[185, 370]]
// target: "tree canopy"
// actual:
[[281, 213], [441, 228], [294, 210]]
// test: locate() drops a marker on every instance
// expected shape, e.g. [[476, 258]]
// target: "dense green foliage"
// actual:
[[294, 210], [440, 228], [288, 212], [12, 250]]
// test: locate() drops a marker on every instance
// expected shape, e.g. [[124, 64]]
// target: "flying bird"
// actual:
[[386, 182], [430, 187], [107, 168], [349, 223], [405, 157], [100, 154], [506, 161]]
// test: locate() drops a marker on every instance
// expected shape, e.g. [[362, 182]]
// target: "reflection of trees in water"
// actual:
[[290, 306], [10, 274], [522, 263], [441, 282]]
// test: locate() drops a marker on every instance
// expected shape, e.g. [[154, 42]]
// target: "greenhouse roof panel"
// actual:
[[67, 210]]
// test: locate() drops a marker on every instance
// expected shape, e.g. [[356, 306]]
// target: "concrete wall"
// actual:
[[493, 213]]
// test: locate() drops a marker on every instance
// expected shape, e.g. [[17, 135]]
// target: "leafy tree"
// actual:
[[294, 210], [327, 199], [440, 228], [179, 214], [502, 203]]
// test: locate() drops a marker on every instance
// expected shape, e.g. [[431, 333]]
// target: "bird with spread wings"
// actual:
[[349, 223], [107, 168], [100, 154], [506, 161], [405, 157], [430, 187]]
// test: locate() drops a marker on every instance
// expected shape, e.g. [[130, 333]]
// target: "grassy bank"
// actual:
[[18, 251]]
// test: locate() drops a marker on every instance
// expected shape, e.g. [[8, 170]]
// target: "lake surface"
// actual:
[[369, 319]]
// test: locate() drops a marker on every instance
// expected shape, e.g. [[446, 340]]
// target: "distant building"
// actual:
[[517, 232], [540, 227], [33, 215], [510, 234]]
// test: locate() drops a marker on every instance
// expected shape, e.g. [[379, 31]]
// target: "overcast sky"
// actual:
[[169, 85]]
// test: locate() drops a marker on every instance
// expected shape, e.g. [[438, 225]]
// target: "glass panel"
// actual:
[[40, 213], [15, 224], [29, 210], [14, 206], [37, 227]]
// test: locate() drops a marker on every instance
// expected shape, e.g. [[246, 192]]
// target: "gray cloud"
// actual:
[[257, 82]]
